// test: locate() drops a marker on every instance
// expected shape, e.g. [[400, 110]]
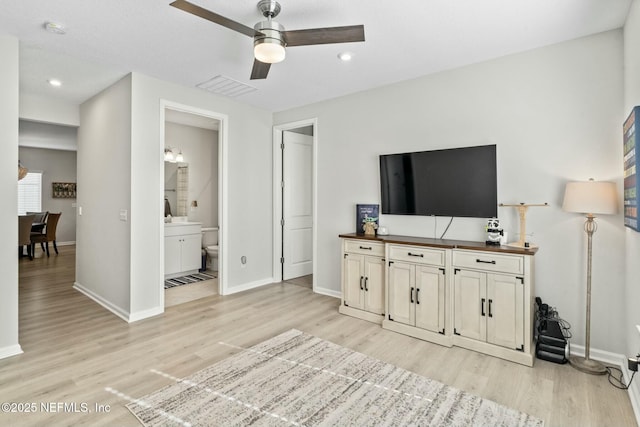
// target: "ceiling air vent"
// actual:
[[223, 85]]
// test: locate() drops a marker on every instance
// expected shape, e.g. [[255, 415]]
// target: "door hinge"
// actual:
[[521, 280], [282, 260], [521, 348], [455, 331], [282, 222], [390, 317], [346, 255], [281, 184], [345, 304], [441, 332], [282, 145], [443, 271], [390, 262], [455, 270]]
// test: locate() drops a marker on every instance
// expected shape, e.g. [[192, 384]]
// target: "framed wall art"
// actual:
[[64, 190]]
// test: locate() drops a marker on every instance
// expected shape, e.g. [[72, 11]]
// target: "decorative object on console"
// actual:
[[631, 165], [383, 231], [494, 232], [367, 219], [522, 211], [590, 197]]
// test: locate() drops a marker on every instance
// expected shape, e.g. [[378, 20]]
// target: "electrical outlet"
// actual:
[[633, 364]]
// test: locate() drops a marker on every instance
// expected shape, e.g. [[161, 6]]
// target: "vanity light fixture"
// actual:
[[179, 157], [168, 155]]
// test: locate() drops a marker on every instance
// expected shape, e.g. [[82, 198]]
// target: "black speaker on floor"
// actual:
[[551, 345]]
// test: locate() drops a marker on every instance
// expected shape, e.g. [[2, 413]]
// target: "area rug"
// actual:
[[185, 280], [300, 380]]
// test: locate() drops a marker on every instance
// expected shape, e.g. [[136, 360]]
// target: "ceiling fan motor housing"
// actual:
[[270, 34]]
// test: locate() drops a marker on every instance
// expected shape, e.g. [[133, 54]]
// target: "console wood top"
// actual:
[[441, 243]]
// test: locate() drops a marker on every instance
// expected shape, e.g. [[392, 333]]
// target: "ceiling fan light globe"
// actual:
[[269, 51]]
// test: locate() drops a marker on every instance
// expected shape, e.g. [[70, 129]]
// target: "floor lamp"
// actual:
[[589, 197]]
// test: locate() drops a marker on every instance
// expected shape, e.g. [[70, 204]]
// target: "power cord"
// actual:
[[618, 381], [446, 229]]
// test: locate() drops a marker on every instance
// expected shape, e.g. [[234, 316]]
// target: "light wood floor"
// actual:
[[74, 349]]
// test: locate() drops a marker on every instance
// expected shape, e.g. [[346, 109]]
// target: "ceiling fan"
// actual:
[[270, 38]]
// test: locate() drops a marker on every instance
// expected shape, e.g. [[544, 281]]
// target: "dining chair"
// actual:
[[49, 234], [24, 233], [40, 216]]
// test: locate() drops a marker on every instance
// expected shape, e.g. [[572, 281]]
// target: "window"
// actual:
[[30, 193]]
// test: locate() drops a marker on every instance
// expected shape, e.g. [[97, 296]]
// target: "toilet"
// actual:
[[210, 244]]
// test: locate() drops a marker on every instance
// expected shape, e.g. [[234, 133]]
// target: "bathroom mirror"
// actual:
[[176, 188]]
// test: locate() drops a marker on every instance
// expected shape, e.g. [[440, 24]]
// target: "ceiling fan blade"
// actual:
[[353, 33], [259, 70], [214, 17]]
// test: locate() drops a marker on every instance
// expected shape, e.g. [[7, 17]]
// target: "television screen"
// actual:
[[459, 182]]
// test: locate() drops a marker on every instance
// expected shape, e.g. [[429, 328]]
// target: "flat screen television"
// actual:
[[458, 182]]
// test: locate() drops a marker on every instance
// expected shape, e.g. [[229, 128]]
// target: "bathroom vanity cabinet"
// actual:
[[182, 248]]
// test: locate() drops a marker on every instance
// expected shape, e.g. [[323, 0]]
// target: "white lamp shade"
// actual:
[[590, 197]]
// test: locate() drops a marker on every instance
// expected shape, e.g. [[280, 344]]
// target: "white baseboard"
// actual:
[[247, 286], [603, 356], [123, 314], [327, 292], [145, 314], [12, 350]]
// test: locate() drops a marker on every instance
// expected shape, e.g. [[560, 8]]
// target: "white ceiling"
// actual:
[[405, 39]]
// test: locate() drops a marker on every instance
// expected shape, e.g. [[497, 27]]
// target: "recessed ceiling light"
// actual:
[[55, 82], [345, 56], [55, 27]]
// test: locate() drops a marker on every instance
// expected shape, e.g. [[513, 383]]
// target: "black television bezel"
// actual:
[[490, 185]]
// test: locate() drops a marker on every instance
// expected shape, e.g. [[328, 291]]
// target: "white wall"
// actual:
[[200, 150], [56, 166], [103, 243], [47, 110], [554, 114], [9, 84], [632, 238], [249, 188]]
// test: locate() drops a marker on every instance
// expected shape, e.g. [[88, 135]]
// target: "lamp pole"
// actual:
[[585, 364]]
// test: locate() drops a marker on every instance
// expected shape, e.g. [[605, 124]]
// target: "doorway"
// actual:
[[199, 196], [295, 148]]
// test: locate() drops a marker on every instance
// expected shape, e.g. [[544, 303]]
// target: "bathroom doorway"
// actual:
[[194, 144]]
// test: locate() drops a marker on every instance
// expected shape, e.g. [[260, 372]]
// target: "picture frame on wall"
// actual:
[[63, 190]]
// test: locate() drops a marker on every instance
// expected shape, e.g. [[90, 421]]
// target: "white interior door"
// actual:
[[297, 209]]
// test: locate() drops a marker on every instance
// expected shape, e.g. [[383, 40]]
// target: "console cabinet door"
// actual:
[[470, 304], [373, 285], [352, 282], [402, 293], [429, 298], [505, 310]]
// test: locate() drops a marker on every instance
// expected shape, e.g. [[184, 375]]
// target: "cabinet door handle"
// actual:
[[418, 255], [493, 261], [417, 295], [366, 248], [366, 279], [490, 301], [482, 307], [361, 288], [411, 295]]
